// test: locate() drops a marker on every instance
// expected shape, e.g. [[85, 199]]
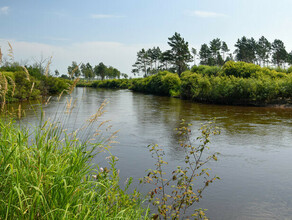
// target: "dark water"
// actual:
[[255, 164]]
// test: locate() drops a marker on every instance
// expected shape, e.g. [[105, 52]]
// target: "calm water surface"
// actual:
[[255, 164]]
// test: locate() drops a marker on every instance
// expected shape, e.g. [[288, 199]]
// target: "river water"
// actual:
[[255, 145]]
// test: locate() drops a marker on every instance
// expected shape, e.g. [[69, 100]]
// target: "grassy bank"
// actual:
[[47, 173], [19, 83], [236, 83]]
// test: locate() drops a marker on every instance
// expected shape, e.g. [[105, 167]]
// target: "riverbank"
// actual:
[[236, 83], [19, 83]]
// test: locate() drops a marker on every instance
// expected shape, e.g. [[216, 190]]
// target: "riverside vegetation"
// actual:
[[233, 83], [47, 172]]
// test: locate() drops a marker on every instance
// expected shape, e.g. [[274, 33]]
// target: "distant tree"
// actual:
[[180, 54], [100, 70], [87, 71], [280, 55], [142, 63], [64, 76], [289, 60], [194, 52], [154, 58], [40, 64], [57, 73], [205, 55], [224, 49], [246, 50], [112, 73], [229, 57], [125, 75], [263, 50], [215, 46], [165, 60], [74, 70], [219, 60]]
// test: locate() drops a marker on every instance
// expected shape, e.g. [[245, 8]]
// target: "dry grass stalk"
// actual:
[[74, 70], [3, 89], [32, 86], [72, 87], [110, 139], [59, 97], [98, 131], [48, 67], [10, 52], [69, 105], [48, 100], [19, 111], [13, 84], [93, 118], [26, 72]]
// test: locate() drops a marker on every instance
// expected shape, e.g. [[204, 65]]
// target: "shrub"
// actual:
[[163, 83], [207, 70], [240, 69]]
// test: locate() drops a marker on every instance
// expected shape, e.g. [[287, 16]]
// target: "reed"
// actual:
[[46, 173]]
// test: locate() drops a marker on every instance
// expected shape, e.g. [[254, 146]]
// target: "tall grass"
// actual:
[[47, 174]]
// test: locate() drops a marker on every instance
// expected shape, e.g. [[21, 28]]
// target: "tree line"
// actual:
[[100, 71], [216, 53]]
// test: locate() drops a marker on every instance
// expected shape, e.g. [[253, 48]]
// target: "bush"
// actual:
[[207, 70], [24, 85], [163, 83], [240, 69]]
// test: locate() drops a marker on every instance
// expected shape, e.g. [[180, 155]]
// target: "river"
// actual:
[[255, 146]]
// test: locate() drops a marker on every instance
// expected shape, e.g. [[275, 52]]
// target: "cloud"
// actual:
[[103, 16], [4, 10], [116, 54], [206, 14]]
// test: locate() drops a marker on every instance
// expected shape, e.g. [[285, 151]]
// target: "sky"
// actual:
[[113, 31]]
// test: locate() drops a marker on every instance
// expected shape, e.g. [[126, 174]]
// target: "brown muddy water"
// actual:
[[255, 145]]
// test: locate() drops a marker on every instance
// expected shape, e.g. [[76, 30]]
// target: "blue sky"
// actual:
[[112, 31]]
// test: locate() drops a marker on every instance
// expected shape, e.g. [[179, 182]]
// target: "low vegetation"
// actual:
[[47, 173], [24, 83], [234, 83]]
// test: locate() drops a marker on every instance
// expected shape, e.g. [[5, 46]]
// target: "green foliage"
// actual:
[[246, 49], [237, 83], [112, 83], [178, 191], [179, 52], [32, 84], [148, 61], [240, 69], [163, 83], [47, 174], [23, 87], [74, 70], [234, 83], [280, 54], [207, 70]]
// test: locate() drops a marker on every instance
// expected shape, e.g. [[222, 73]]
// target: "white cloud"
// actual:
[[4, 10], [206, 14], [103, 16], [118, 55]]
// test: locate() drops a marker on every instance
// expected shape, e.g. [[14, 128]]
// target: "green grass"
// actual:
[[46, 173]]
